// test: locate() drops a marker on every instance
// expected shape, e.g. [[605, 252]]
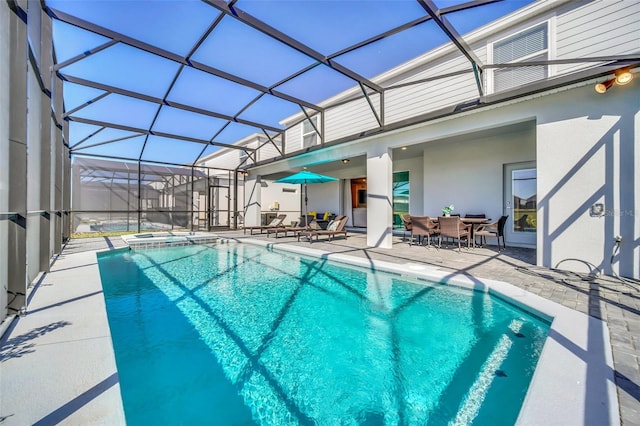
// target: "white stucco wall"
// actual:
[[468, 171], [588, 152]]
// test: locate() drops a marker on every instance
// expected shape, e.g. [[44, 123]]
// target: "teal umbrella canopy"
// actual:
[[306, 177]]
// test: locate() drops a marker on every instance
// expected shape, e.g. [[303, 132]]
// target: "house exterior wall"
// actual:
[[576, 29], [293, 138], [584, 28], [587, 151], [325, 197], [468, 171], [354, 117]]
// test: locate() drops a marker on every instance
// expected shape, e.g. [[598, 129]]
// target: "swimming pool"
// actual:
[[235, 334]]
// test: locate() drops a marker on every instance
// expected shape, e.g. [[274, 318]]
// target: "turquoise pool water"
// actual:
[[235, 334]]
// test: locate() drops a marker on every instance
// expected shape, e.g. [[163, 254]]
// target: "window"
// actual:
[[400, 198], [309, 135], [529, 45], [245, 160]]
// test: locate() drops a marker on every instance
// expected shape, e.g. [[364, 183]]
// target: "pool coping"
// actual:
[[573, 382]]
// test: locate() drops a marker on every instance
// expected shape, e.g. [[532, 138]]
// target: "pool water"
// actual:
[[234, 334]]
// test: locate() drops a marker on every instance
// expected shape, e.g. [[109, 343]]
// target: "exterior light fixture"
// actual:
[[345, 161], [604, 86], [624, 77], [404, 148]]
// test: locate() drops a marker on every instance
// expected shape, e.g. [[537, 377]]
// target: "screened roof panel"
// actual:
[[468, 20], [127, 148], [128, 68], [330, 26], [210, 149], [75, 95], [171, 25], [378, 57], [206, 91], [122, 110], [182, 152], [234, 132], [80, 131], [250, 54], [255, 63], [105, 135], [270, 110], [70, 41], [180, 122], [317, 84]]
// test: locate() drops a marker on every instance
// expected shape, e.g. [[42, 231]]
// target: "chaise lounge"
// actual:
[[335, 227], [275, 223]]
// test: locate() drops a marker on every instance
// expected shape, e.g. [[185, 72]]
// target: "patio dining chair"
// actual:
[[495, 229], [406, 222], [423, 226], [452, 227]]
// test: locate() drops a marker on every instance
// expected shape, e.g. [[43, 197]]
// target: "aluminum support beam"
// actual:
[[88, 26], [455, 38], [264, 28]]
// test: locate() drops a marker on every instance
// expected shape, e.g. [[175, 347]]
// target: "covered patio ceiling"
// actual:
[[175, 81]]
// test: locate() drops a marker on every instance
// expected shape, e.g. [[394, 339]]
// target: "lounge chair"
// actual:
[[313, 226], [335, 227], [275, 223]]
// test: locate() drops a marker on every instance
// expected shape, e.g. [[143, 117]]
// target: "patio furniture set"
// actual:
[[454, 227]]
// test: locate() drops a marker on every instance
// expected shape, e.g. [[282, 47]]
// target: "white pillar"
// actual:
[[253, 198], [380, 198]]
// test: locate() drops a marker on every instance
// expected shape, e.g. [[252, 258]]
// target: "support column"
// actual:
[[46, 65], [13, 161], [380, 199], [253, 199]]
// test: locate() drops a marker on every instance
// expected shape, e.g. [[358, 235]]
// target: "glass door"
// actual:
[[520, 203], [218, 207]]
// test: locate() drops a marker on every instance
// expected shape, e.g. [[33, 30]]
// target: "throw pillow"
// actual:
[[333, 225]]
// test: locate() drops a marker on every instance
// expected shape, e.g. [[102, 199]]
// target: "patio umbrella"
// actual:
[[305, 177]]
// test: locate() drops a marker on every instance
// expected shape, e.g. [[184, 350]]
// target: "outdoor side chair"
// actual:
[[495, 229], [406, 222], [423, 226], [452, 227]]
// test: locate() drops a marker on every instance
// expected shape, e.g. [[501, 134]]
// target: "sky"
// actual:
[[327, 26]]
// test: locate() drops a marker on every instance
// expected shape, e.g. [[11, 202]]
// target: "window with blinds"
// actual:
[[309, 135], [529, 45]]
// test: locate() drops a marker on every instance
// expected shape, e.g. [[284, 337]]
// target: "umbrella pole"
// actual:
[[305, 204]]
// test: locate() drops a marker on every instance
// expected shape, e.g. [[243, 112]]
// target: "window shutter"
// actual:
[[522, 45]]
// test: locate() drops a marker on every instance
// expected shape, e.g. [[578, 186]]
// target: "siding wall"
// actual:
[[597, 28], [351, 118], [293, 136]]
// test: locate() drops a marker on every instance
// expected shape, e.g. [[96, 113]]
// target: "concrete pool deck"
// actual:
[[62, 327]]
